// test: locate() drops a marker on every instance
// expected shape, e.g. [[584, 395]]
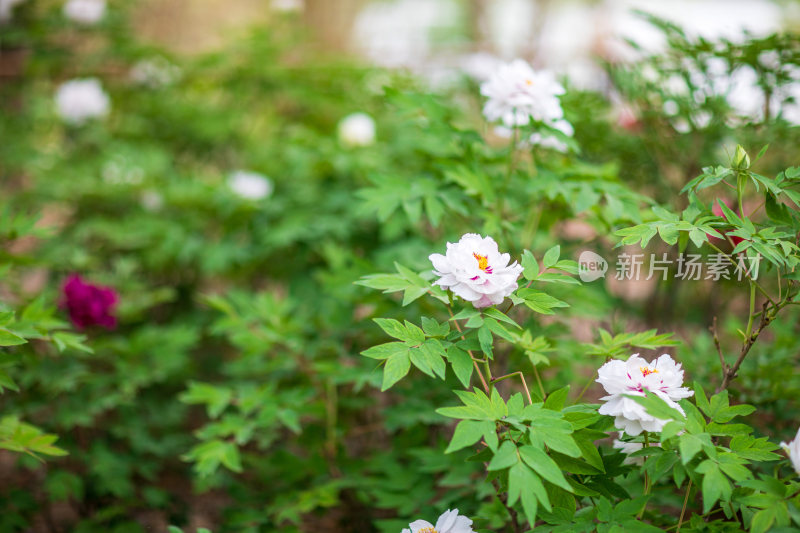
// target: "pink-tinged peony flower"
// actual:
[[717, 211], [476, 271], [663, 377], [793, 450], [89, 305], [449, 522]]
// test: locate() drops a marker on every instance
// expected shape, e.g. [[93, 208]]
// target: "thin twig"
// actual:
[[713, 330], [521, 377], [731, 373], [474, 361], [683, 509]]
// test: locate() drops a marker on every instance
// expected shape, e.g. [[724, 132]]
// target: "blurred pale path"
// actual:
[[392, 31]]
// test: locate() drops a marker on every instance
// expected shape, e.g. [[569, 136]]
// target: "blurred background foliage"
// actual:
[[232, 395]]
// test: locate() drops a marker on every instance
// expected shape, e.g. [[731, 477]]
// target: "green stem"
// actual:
[[539, 382], [646, 476], [683, 509], [752, 311], [585, 388], [524, 383], [751, 280]]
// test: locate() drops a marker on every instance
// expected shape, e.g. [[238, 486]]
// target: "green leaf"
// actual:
[[397, 366], [530, 267], [544, 466], [540, 302], [505, 457], [486, 340], [8, 338], [461, 363], [551, 256], [385, 351], [557, 399], [562, 443], [656, 406], [467, 433], [715, 485], [393, 328]]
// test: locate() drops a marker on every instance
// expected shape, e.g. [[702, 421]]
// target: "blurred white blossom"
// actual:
[[286, 6], [151, 200], [449, 522], [249, 185], [663, 377], [792, 448], [475, 270], [517, 94], [154, 72], [85, 11], [82, 99], [630, 447], [480, 66], [357, 129], [7, 9]]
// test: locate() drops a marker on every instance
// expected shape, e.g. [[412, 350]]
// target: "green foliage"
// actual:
[[247, 384]]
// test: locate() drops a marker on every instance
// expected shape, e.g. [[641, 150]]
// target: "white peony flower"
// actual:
[[663, 377], [517, 94], [630, 447], [151, 201], [154, 72], [250, 185], [357, 129], [449, 522], [7, 9], [85, 11], [476, 271], [793, 450], [81, 99]]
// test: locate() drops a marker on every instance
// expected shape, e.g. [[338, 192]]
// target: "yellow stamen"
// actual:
[[529, 82], [426, 530], [646, 371], [483, 262]]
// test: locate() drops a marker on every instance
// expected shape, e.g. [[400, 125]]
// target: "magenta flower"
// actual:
[[89, 305]]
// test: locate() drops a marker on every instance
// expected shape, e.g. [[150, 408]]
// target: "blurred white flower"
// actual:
[[449, 522], [250, 185], [671, 108], [480, 66], [286, 6], [7, 9], [630, 447], [770, 59], [548, 141], [85, 11], [357, 129], [663, 377], [792, 448], [154, 72], [81, 99], [475, 270], [151, 200], [120, 171], [517, 94]]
